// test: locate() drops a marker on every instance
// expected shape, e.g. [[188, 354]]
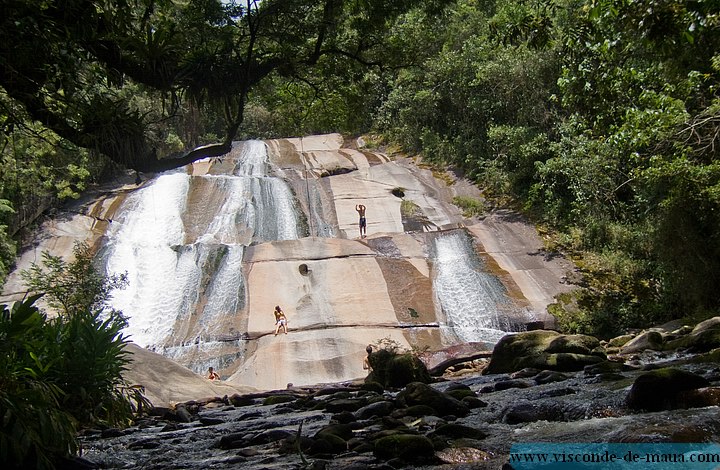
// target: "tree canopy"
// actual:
[[67, 63]]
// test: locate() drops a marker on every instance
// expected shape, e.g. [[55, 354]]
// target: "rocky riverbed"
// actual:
[[464, 419]]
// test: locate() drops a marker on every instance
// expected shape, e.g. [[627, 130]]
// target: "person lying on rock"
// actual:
[[280, 320], [212, 375]]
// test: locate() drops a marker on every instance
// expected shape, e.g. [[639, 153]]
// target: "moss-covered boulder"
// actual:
[[544, 350], [418, 393], [277, 399], [395, 370], [697, 341], [645, 340], [659, 389], [408, 447]]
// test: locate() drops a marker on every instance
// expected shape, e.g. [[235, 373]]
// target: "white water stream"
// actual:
[[474, 301], [181, 240]]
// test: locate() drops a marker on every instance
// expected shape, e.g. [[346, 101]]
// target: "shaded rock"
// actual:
[[525, 373], [698, 398], [344, 431], [408, 447], [709, 324], [549, 376], [659, 389], [241, 400], [457, 431], [344, 404], [698, 341], [271, 435], [459, 394], [526, 412], [277, 399], [418, 411], [513, 383], [605, 367], [647, 340], [473, 402], [394, 370], [344, 418], [418, 393], [380, 408], [544, 349]]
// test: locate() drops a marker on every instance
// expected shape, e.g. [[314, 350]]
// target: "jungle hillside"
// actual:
[[598, 119]]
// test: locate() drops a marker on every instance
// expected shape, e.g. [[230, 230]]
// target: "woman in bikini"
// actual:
[[280, 320]]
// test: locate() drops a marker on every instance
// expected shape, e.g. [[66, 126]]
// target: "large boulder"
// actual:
[[544, 350], [660, 389], [704, 337], [394, 370]]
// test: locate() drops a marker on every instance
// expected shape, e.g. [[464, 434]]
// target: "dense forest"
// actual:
[[599, 119]]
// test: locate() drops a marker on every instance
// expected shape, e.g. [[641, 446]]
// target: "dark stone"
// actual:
[[473, 402], [343, 404], [234, 440], [343, 431], [380, 408], [149, 443], [658, 390], [459, 394], [557, 392], [512, 383], [277, 399], [207, 421], [344, 418], [418, 393], [241, 400], [525, 373], [457, 431], [112, 432], [407, 447], [419, 411], [549, 376], [373, 387], [605, 367], [271, 435], [526, 412]]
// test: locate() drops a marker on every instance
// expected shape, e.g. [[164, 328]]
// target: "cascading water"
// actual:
[[474, 301], [181, 239]]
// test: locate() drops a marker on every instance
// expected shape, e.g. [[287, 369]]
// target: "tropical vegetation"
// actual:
[[600, 119]]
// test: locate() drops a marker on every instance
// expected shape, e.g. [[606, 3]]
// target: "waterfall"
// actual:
[[474, 301], [182, 238]]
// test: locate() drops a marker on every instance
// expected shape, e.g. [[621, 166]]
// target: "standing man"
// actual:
[[363, 223]]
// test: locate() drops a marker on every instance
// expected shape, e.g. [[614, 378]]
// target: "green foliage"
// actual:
[[73, 287], [62, 373], [393, 367], [470, 206], [34, 429]]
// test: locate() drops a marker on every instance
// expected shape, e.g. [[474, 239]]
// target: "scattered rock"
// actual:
[[418, 393], [407, 447], [659, 389], [647, 340]]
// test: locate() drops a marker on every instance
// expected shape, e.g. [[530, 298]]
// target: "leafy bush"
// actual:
[[34, 429], [470, 206], [59, 374], [393, 367]]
